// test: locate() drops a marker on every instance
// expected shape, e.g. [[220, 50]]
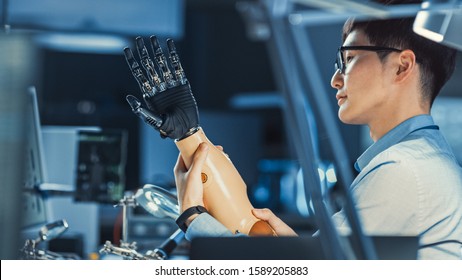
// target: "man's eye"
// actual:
[[348, 58]]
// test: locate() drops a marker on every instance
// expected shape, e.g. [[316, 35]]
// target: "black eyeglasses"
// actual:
[[340, 62]]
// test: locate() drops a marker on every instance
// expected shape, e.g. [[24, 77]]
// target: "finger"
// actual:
[[146, 88], [135, 104], [175, 62], [146, 115], [162, 62], [266, 215], [277, 224], [148, 65], [199, 158]]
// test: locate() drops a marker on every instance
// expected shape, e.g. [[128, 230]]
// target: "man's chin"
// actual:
[[348, 119]]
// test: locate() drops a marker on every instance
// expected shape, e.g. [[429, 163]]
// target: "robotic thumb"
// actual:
[[146, 115]]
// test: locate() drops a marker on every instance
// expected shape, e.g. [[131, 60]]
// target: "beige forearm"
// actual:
[[225, 193]]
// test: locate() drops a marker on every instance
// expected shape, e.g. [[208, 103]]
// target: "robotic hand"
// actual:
[[172, 109]]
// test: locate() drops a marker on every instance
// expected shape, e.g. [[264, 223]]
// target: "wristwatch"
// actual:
[[181, 220]]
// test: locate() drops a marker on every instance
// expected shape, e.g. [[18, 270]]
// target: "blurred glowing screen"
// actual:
[[135, 17]]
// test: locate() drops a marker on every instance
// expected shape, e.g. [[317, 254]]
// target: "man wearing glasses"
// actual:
[[409, 181]]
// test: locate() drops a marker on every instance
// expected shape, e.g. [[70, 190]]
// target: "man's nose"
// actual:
[[337, 80]]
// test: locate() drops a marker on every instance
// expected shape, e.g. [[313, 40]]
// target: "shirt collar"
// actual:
[[393, 137]]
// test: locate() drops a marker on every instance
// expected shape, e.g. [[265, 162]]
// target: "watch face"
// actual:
[[201, 209]]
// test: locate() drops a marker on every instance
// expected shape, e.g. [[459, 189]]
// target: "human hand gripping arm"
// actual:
[[281, 228]]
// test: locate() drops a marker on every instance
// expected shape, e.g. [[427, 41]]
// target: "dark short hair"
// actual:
[[437, 62]]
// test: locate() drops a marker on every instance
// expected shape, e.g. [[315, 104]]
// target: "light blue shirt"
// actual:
[[409, 183]]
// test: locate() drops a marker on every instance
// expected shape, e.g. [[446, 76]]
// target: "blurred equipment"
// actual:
[[276, 187], [86, 167], [33, 202], [128, 18], [158, 202], [46, 233], [126, 250], [161, 204], [101, 165], [61, 155], [35, 161], [149, 231], [441, 25], [166, 248], [16, 69], [437, 20], [87, 160]]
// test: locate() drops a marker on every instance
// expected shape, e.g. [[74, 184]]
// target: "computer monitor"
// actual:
[[34, 210], [35, 162]]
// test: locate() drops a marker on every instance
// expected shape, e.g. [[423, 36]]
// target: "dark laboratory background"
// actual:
[[81, 92]]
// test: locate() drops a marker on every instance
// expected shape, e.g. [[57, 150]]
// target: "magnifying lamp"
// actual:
[[441, 25], [158, 201]]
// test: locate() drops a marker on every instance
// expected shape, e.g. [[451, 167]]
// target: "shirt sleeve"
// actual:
[[205, 225]]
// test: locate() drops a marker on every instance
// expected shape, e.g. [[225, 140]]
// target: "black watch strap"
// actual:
[[181, 221]]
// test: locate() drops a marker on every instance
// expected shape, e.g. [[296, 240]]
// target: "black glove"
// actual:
[[172, 109]]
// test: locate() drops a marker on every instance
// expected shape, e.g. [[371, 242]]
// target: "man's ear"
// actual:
[[406, 65]]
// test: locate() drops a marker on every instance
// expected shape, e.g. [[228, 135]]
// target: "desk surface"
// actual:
[[291, 248]]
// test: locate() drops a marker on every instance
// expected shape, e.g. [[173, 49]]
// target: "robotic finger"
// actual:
[[146, 115], [162, 62], [146, 88], [148, 65], [175, 62]]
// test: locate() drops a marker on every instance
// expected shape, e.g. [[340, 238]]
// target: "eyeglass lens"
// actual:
[[339, 62]]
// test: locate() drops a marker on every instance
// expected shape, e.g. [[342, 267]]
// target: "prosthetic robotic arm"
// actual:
[[172, 110]]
